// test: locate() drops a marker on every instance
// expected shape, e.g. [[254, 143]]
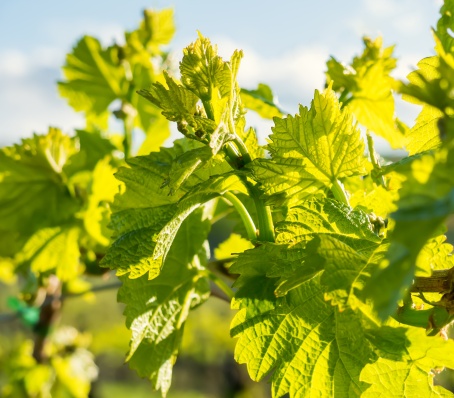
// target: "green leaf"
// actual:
[[157, 133], [53, 250], [314, 219], [310, 151], [199, 158], [96, 214], [427, 71], [366, 89], [202, 69], [94, 78], [379, 200], [156, 310], [299, 339], [33, 183], [262, 101], [156, 29], [327, 217], [213, 80], [147, 115], [233, 245], [132, 252], [426, 199], [250, 140], [435, 255], [146, 218], [92, 148], [200, 194], [445, 26], [412, 375], [424, 135], [307, 347], [432, 84], [346, 271], [140, 212], [178, 103], [373, 104], [286, 181]]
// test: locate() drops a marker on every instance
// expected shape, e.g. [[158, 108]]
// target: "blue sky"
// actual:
[[286, 44]]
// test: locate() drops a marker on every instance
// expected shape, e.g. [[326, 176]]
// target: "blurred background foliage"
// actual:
[[205, 367]]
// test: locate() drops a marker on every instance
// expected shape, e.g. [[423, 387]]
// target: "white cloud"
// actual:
[[18, 64], [31, 104], [13, 64], [382, 8], [69, 31], [406, 64], [28, 99], [47, 57], [409, 24]]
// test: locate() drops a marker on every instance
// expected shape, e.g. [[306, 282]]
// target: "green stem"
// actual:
[[412, 317], [208, 109], [241, 158], [221, 285], [339, 192], [244, 214], [230, 149], [232, 152], [373, 158], [128, 125], [343, 98], [432, 319], [265, 219], [243, 149]]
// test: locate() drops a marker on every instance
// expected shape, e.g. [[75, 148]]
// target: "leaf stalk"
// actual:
[[251, 230], [339, 192]]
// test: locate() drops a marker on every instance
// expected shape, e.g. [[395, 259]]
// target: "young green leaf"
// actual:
[[100, 193], [310, 151], [178, 104], [203, 70], [156, 29], [93, 147], [424, 135], [366, 89]]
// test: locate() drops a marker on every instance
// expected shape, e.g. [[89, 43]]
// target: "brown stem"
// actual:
[[440, 281], [220, 266], [49, 311], [218, 293]]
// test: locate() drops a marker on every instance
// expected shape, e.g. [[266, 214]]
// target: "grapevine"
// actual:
[[339, 272]]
